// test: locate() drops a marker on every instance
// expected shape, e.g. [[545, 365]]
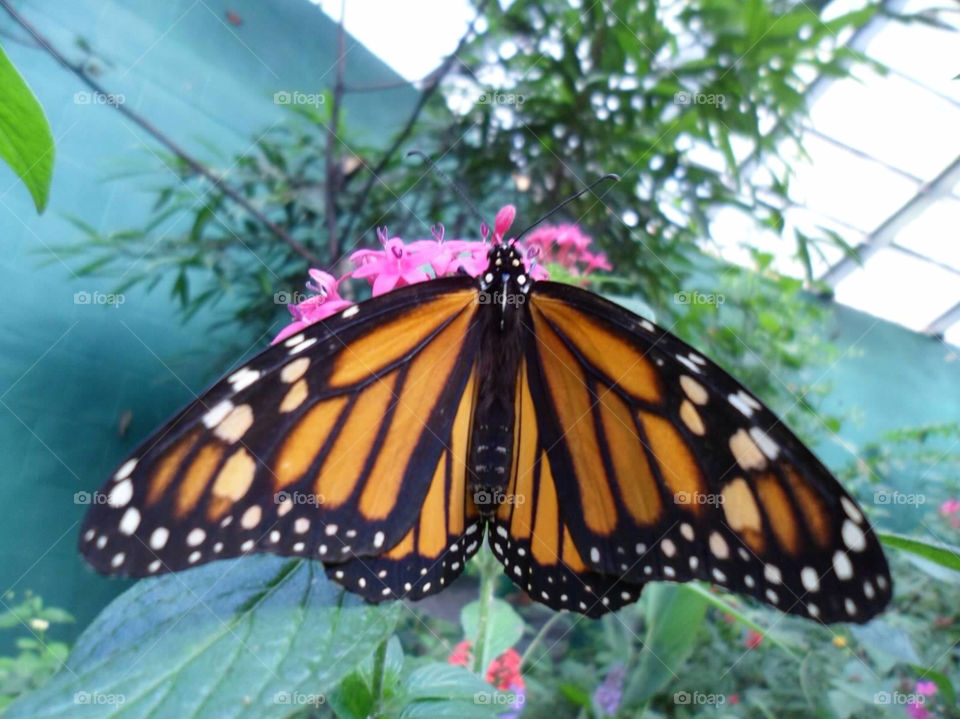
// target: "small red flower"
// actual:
[[504, 672], [753, 640], [733, 699], [462, 655]]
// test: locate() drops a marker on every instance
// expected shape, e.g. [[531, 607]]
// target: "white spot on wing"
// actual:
[[130, 521], [125, 469], [766, 445], [243, 378], [212, 418], [303, 345], [121, 494], [842, 566], [853, 536]]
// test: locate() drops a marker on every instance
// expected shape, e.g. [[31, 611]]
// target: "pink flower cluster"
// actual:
[[917, 706], [402, 263]]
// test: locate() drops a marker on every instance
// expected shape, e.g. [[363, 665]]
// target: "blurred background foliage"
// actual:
[[690, 103]]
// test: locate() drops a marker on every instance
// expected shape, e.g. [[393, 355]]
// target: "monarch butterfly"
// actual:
[[596, 450]]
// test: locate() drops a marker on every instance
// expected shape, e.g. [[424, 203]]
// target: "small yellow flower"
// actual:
[[40, 625], [839, 641]]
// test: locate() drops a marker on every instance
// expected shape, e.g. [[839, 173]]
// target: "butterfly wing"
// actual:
[[530, 534], [447, 532], [665, 467], [323, 446]]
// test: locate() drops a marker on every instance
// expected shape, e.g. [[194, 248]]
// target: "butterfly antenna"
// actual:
[[585, 190], [450, 183]]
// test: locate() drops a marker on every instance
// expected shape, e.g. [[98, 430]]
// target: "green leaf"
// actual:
[[26, 143], [504, 628], [352, 698], [718, 601], [945, 555], [887, 646], [259, 636], [444, 690], [674, 616]]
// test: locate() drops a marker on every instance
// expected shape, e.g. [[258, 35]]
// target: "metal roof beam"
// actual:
[[939, 187], [944, 322]]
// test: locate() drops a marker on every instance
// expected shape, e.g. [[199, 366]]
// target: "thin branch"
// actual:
[[427, 93], [192, 163], [333, 167]]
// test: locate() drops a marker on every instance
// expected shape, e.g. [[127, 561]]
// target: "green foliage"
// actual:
[[38, 655], [26, 143], [503, 627], [258, 636]]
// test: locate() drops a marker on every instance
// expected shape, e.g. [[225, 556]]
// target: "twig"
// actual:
[[427, 93], [333, 179], [192, 163]]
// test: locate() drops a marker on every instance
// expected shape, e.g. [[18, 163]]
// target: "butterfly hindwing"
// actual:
[[670, 469], [529, 533], [447, 532], [324, 445]]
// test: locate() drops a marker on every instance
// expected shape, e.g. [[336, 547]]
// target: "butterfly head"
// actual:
[[506, 271]]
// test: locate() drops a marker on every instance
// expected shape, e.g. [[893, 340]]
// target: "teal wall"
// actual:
[[69, 372]]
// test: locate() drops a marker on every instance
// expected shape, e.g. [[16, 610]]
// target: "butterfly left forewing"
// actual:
[[321, 446], [672, 470]]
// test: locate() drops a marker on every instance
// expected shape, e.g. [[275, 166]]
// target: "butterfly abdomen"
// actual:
[[498, 362], [490, 462]]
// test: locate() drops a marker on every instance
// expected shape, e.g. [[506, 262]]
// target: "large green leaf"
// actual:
[[259, 637], [674, 615], [945, 555], [442, 690], [26, 143]]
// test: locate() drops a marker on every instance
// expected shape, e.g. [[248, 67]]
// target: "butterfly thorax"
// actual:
[[502, 294]]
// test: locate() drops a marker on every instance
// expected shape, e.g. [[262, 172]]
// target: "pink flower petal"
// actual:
[[503, 221], [384, 283]]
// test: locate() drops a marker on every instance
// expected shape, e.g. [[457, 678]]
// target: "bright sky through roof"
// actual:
[[411, 37], [877, 140]]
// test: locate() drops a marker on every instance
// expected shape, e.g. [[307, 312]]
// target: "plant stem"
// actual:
[[195, 165], [332, 165], [538, 638], [379, 667], [489, 569]]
